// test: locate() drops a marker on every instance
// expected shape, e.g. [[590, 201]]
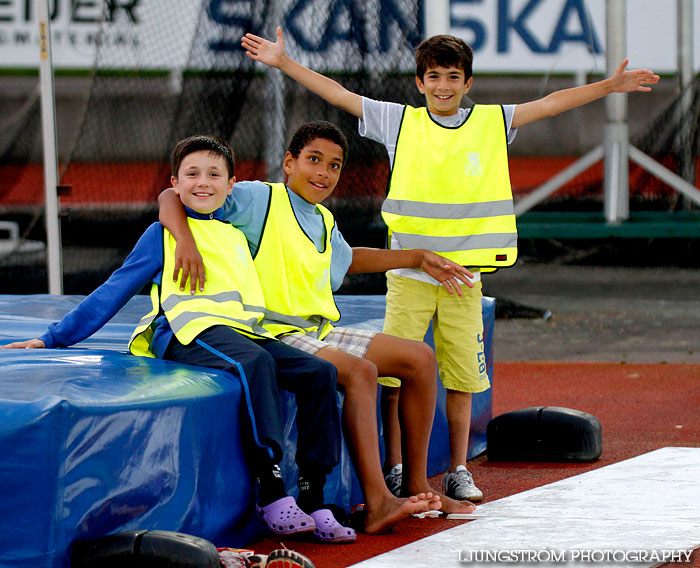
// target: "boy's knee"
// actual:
[[425, 354], [265, 362], [364, 372], [421, 357]]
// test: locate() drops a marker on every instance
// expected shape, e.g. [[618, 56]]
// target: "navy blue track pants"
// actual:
[[265, 367]]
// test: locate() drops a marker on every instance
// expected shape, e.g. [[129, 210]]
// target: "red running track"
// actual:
[[641, 407]]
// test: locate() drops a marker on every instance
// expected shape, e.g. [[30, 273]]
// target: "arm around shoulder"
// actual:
[[188, 260]]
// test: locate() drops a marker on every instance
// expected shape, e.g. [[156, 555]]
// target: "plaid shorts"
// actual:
[[348, 339]]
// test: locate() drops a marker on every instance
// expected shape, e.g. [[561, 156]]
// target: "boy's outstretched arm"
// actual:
[[448, 273], [187, 258], [622, 81], [274, 55]]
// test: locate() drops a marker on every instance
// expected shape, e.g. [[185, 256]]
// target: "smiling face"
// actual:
[[443, 88], [314, 174], [203, 181]]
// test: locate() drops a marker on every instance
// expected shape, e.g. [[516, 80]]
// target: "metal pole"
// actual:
[[616, 144], [436, 14], [616, 149], [275, 127], [554, 183], [684, 26], [48, 116], [684, 41], [665, 175]]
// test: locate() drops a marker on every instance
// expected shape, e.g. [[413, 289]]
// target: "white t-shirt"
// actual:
[[381, 122]]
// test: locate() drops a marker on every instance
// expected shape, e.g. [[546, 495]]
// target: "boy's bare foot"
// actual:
[[383, 518], [452, 506]]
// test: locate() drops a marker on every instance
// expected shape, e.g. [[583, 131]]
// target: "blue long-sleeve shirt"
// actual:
[[143, 266], [246, 208]]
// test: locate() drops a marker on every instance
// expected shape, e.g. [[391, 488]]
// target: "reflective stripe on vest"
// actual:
[[233, 295], [449, 190], [295, 276]]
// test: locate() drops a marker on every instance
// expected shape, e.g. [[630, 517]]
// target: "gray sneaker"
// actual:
[[459, 485], [393, 479]]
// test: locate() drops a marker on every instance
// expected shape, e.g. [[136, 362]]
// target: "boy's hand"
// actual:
[[448, 273], [188, 259], [263, 50], [29, 344], [636, 80]]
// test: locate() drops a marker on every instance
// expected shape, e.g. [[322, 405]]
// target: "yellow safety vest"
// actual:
[[449, 190], [295, 276], [232, 297]]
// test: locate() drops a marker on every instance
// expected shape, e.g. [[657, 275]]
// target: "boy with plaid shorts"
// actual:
[[301, 257], [456, 199]]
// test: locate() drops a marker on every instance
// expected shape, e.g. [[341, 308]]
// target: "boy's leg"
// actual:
[[391, 427], [357, 379], [410, 306], [458, 411], [313, 382], [459, 346], [221, 347], [413, 362]]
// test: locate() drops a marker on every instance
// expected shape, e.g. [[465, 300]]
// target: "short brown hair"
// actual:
[[444, 51], [198, 143]]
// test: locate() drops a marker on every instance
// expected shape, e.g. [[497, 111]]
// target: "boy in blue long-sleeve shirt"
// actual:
[[222, 329]]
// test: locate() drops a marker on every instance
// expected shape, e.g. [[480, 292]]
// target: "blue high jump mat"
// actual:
[[95, 441]]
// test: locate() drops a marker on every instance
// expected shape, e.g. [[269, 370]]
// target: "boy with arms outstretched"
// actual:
[[455, 200], [301, 258], [223, 329]]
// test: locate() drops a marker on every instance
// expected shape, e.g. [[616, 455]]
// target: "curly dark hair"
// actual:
[[310, 131]]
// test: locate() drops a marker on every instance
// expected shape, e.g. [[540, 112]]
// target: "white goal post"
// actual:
[[616, 151], [48, 116]]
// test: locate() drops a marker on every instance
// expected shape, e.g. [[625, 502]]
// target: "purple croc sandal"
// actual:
[[330, 531], [285, 517]]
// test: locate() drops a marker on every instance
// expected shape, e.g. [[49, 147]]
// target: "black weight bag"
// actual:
[[145, 549], [544, 434]]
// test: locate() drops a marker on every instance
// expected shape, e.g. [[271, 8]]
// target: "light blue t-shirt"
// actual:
[[246, 208]]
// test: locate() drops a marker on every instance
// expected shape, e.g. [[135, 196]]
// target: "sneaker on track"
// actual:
[[459, 485], [393, 479]]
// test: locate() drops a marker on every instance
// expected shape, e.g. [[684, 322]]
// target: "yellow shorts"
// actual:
[[458, 329]]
